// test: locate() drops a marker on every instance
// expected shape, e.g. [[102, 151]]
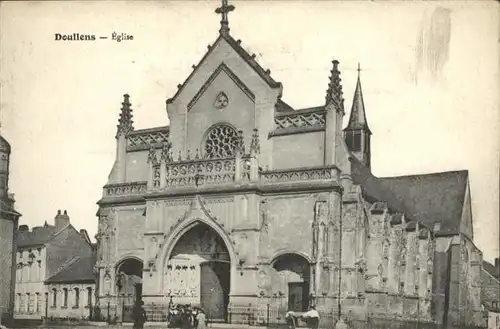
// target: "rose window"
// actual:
[[221, 142]]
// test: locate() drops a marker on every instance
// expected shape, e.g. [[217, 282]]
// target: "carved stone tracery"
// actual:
[[221, 142]]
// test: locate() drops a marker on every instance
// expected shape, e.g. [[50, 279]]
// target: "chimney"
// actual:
[[61, 220], [497, 264], [23, 228]]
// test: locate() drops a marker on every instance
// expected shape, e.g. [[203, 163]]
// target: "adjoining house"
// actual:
[[490, 292], [43, 252], [71, 291]]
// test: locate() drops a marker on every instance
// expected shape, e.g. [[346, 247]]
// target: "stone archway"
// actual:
[[198, 271], [129, 279], [291, 279]]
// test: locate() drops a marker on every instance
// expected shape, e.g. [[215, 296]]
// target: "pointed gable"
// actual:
[[243, 54]]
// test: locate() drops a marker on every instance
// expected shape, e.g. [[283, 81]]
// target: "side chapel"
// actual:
[[243, 199]]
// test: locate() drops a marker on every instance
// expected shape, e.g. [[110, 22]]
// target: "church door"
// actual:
[[215, 279], [298, 296]]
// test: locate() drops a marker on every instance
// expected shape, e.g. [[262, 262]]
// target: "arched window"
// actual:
[[65, 297], [54, 297], [77, 297], [221, 142], [89, 297]]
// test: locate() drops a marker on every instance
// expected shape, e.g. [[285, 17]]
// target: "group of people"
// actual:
[[180, 316]]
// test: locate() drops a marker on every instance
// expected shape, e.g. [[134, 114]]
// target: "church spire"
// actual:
[[223, 10], [357, 134], [334, 93], [125, 123], [357, 120]]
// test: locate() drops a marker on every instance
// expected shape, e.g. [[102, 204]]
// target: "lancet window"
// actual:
[[221, 142]]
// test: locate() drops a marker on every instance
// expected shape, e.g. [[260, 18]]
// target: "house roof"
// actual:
[[80, 270], [249, 59], [490, 268], [426, 198], [430, 198], [37, 236], [373, 189]]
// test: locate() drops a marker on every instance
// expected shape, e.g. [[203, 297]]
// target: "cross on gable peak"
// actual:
[[223, 10]]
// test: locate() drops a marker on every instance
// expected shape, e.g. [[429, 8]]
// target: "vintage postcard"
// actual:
[[228, 164]]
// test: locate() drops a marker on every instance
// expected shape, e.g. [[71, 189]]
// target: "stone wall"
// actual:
[[7, 231], [295, 151]]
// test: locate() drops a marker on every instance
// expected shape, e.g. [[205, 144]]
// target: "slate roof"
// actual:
[[426, 198], [249, 59], [373, 189], [490, 268], [37, 236], [4, 145], [81, 270], [431, 198]]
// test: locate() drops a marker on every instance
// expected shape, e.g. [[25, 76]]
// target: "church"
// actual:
[[243, 202]]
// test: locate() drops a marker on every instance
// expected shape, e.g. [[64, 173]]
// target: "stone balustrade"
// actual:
[[190, 173], [210, 172], [299, 174], [133, 188]]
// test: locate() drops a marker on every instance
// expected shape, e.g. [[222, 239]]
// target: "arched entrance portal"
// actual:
[[199, 271], [129, 280], [293, 278]]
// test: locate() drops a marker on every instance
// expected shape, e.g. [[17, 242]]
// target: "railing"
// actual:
[[300, 174], [307, 118], [134, 188], [196, 172], [268, 315]]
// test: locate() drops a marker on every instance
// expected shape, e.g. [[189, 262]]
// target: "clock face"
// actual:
[[221, 101]]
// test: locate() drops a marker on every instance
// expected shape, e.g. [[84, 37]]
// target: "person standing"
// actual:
[[139, 315], [201, 319]]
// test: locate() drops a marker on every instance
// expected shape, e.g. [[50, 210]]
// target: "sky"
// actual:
[[429, 74]]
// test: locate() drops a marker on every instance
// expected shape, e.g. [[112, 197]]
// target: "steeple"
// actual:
[[357, 120], [223, 10], [125, 123], [357, 133]]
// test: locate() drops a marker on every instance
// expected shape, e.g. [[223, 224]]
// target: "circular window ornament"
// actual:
[[221, 101], [221, 142]]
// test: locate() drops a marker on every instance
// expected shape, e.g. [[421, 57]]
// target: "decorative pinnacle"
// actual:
[[165, 152], [334, 93], [255, 143], [223, 10], [152, 155], [125, 122], [240, 146]]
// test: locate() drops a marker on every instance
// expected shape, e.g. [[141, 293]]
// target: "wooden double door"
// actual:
[[298, 296], [215, 283]]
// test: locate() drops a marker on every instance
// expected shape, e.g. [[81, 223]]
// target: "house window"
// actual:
[[18, 303], [37, 303], [77, 297], [221, 142], [22, 303], [494, 304], [20, 255], [54, 297], [89, 297], [65, 297], [29, 307], [353, 140]]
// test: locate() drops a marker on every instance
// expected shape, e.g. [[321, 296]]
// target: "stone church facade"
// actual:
[[243, 200]]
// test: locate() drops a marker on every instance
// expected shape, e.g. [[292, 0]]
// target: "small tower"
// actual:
[[124, 128], [4, 168], [357, 133]]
